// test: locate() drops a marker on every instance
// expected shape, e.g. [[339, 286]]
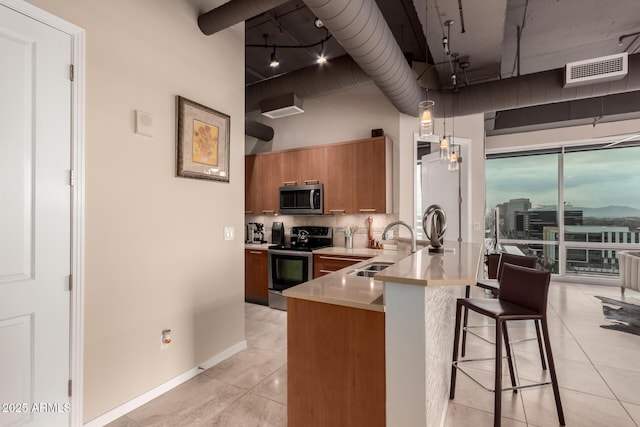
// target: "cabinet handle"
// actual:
[[312, 181], [268, 211], [256, 252], [335, 258], [288, 183], [248, 212], [327, 271], [336, 210], [366, 210]]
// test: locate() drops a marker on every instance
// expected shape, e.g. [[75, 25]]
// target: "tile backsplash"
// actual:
[[338, 222]]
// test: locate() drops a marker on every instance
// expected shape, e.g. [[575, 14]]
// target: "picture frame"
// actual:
[[202, 141]]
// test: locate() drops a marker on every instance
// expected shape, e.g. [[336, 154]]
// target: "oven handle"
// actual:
[[291, 253], [311, 192]]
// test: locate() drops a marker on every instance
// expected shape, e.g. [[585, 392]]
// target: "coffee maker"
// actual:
[[254, 233]]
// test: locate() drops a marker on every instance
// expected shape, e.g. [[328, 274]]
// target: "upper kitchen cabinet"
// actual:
[[303, 166], [252, 199], [373, 179], [263, 177], [339, 176]]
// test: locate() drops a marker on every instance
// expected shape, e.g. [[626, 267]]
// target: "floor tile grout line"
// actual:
[[591, 361]]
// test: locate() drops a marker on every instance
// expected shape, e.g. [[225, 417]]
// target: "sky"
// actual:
[[591, 179]]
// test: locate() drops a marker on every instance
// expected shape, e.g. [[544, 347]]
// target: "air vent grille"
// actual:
[[596, 70]]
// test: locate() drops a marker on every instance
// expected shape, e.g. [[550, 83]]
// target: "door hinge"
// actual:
[[70, 388], [72, 177], [71, 72], [70, 282]]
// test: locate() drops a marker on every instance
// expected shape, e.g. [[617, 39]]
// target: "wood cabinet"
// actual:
[[372, 176], [256, 276], [339, 176], [303, 166], [327, 264], [252, 199], [263, 176], [356, 176], [335, 365]]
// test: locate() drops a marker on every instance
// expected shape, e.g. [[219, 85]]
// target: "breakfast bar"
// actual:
[[377, 350], [419, 296]]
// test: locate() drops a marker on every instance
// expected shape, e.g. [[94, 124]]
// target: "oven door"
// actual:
[[287, 269]]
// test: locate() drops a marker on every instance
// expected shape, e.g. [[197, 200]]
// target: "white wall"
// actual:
[[155, 254], [341, 116]]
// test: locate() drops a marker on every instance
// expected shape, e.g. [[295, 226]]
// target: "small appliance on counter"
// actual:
[[254, 233], [277, 233]]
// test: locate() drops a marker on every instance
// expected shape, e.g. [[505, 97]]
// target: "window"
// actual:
[[600, 206]]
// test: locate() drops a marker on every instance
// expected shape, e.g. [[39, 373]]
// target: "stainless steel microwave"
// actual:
[[302, 199]]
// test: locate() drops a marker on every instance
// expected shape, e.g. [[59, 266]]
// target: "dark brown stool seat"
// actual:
[[523, 296], [493, 285]]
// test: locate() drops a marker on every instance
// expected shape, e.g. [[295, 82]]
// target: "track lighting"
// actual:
[[274, 63]]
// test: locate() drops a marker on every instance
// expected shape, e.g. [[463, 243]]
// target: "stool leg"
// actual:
[[456, 339], [497, 401], [507, 347], [467, 294], [552, 370], [542, 358]]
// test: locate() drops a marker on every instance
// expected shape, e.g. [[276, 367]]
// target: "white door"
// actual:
[[440, 187], [35, 221]]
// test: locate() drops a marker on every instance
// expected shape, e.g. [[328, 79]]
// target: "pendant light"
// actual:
[[444, 141], [425, 114], [426, 108]]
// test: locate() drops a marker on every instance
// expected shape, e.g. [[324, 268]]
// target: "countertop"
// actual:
[[342, 288], [258, 246], [458, 265]]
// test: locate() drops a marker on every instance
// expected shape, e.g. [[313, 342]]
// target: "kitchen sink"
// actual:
[[370, 270]]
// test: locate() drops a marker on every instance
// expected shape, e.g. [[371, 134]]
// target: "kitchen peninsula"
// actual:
[[377, 351]]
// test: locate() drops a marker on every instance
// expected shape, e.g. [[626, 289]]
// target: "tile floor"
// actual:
[[598, 371]]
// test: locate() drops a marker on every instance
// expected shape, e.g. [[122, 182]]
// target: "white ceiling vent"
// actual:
[[281, 106], [596, 70]]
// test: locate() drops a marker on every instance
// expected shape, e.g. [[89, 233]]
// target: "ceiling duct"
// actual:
[[281, 106], [532, 89], [360, 28], [258, 130], [234, 12], [337, 74], [596, 70]]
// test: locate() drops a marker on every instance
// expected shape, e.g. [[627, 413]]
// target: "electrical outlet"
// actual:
[[476, 226], [165, 339], [229, 233]]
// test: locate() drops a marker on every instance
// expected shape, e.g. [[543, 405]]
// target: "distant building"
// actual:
[[508, 213], [582, 260], [530, 225]]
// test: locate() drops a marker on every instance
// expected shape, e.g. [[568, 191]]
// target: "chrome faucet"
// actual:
[[393, 224]]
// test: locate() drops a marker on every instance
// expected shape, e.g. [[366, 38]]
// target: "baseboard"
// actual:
[[132, 404]]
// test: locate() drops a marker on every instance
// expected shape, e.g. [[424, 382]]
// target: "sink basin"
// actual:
[[370, 270], [377, 266]]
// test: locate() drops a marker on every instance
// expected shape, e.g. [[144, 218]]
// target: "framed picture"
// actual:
[[203, 141]]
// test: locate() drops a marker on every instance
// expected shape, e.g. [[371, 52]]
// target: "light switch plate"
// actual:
[[229, 233]]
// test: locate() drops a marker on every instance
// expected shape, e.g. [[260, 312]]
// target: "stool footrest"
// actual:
[[468, 375]]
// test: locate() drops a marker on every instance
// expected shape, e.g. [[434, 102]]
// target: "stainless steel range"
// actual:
[[290, 265]]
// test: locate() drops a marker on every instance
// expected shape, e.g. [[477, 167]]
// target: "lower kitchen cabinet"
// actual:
[[327, 264], [256, 276], [335, 365]]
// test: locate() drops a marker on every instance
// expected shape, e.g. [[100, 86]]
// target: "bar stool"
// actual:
[[523, 296], [493, 285]]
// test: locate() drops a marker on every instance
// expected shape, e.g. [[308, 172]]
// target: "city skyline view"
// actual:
[[592, 179]]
